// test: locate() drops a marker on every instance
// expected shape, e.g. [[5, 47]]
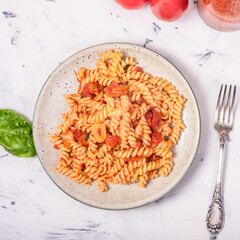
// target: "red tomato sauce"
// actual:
[[153, 118], [115, 90], [113, 141], [90, 89], [81, 137], [156, 138]]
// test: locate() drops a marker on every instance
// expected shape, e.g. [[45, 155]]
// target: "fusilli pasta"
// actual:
[[121, 125]]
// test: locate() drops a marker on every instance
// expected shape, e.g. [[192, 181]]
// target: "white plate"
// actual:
[[48, 115]]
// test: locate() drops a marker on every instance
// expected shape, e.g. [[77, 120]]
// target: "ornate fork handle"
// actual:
[[215, 215]]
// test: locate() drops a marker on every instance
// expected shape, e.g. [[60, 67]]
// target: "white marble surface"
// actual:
[[35, 37]]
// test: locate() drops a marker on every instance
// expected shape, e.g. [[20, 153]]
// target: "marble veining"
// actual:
[[9, 14], [156, 28], [147, 41], [35, 37]]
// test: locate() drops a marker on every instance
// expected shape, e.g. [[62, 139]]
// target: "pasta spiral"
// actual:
[[121, 125]]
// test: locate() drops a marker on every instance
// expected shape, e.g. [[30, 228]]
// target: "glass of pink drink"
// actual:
[[223, 15]]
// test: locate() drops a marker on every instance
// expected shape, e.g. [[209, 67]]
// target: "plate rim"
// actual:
[[197, 107]]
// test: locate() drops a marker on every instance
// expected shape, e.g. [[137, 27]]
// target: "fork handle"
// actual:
[[215, 215]]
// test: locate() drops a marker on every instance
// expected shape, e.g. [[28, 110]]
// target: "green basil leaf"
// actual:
[[16, 134], [86, 137], [126, 66]]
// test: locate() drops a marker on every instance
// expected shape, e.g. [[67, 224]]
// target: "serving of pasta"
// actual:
[[121, 125]]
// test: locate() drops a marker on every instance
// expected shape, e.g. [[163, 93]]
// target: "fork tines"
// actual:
[[225, 103]]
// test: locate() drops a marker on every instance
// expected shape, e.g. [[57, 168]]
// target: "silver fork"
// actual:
[[223, 123]]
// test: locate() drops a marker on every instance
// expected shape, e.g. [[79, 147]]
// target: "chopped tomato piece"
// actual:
[[100, 144], [77, 134], [138, 69], [82, 165], [113, 141], [156, 138], [90, 89], [150, 173], [56, 146], [153, 118], [115, 90], [81, 137], [120, 90], [108, 90], [153, 157], [62, 160]]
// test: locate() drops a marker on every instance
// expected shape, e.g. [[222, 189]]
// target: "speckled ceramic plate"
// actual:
[[51, 104]]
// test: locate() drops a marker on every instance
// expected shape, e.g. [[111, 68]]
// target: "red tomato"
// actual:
[[168, 10], [153, 157], [90, 89], [115, 90], [156, 138], [138, 69], [153, 118], [113, 141], [150, 173], [81, 137], [108, 90], [132, 4], [100, 144], [81, 165]]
